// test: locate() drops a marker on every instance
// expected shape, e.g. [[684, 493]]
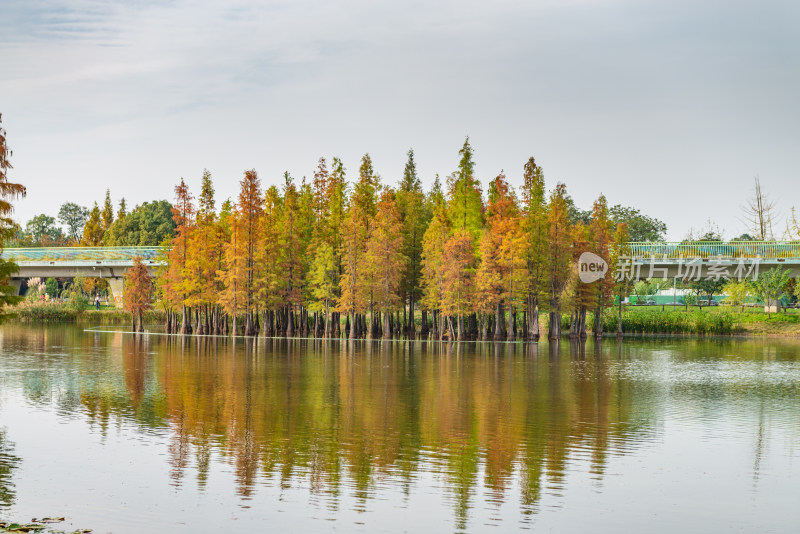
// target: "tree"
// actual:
[[138, 291], [248, 211], [601, 239], [384, 260], [9, 191], [458, 269], [641, 227], [149, 224], [51, 287], [73, 217], [760, 214], [269, 274], [107, 215], [465, 205], [623, 280], [433, 241], [559, 255], [44, 231], [291, 263], [770, 286], [415, 217], [354, 296], [123, 208], [738, 291], [93, 231], [501, 276], [535, 229], [709, 287], [173, 280], [203, 256]]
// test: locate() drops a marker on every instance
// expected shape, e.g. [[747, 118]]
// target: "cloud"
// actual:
[[621, 97]]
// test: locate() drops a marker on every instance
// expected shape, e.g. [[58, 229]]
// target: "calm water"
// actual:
[[126, 434]]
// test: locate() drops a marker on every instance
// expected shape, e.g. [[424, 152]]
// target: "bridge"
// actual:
[[685, 260], [90, 262]]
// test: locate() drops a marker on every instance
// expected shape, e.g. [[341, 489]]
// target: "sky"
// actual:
[[672, 107]]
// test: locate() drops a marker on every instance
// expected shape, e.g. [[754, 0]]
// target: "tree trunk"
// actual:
[[387, 326], [498, 320], [554, 325], [511, 334]]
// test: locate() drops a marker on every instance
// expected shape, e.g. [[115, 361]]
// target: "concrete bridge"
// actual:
[[90, 262], [704, 260], [690, 261]]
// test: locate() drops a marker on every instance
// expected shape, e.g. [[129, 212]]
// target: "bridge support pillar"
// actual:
[[117, 287], [16, 283]]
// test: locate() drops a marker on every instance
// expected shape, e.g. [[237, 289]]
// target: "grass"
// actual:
[[715, 321], [65, 312]]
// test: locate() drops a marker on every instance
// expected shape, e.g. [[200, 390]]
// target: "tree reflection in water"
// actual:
[[352, 417]]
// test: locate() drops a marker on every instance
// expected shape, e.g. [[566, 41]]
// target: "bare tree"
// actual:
[[793, 227], [760, 214]]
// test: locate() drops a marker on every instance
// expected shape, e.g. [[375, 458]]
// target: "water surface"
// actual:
[[125, 433]]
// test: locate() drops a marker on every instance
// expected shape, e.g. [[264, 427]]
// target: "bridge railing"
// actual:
[[639, 250], [717, 249], [78, 254]]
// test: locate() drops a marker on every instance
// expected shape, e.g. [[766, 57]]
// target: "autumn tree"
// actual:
[[433, 241], [201, 263], [354, 299], [248, 211], [9, 191], [384, 260], [93, 231], [174, 280], [458, 269], [291, 227], [269, 262], [138, 295], [501, 276]]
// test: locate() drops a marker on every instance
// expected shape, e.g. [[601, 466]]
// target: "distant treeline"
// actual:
[[328, 258]]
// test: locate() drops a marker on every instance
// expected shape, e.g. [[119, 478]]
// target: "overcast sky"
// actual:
[[672, 107]]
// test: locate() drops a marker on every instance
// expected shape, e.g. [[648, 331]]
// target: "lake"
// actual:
[[123, 433]]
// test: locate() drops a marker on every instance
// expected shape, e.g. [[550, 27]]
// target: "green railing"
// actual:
[[80, 254], [718, 249], [708, 249]]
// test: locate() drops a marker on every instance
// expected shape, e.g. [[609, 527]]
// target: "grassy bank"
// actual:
[[63, 312], [705, 321]]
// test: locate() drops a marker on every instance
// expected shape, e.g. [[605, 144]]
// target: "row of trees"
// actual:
[[326, 258], [147, 224]]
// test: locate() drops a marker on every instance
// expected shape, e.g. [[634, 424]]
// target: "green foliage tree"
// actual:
[[415, 217], [74, 218], [738, 291], [771, 285], [641, 227], [51, 287], [465, 203], [44, 231], [107, 215], [149, 224], [535, 230]]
